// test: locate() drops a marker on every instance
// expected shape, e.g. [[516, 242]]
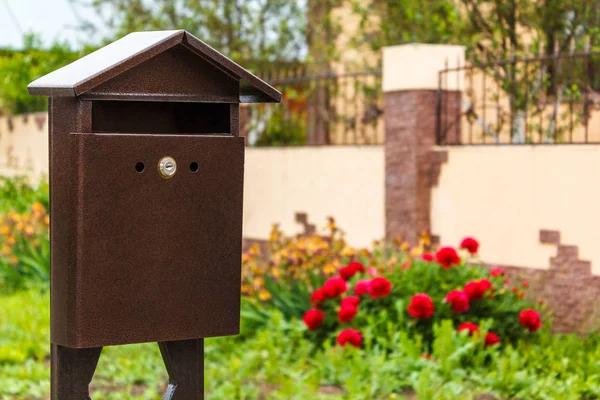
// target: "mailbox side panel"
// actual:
[[158, 259], [66, 115]]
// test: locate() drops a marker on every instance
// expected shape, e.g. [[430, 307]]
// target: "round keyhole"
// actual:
[[167, 166]]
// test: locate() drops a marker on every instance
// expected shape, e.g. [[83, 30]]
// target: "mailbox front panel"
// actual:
[[157, 259]]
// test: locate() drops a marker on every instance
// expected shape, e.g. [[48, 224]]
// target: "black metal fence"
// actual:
[[548, 99], [318, 109]]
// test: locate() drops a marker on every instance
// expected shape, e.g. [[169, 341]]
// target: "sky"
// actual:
[[52, 19]]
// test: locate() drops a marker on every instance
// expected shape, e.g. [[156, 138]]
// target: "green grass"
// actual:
[[278, 362]]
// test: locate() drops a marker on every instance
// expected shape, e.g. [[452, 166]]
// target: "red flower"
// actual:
[[427, 257], [362, 287], [470, 244], [405, 266], [351, 269], [459, 301], [313, 318], [491, 339], [468, 326], [351, 336], [347, 313], [421, 306], [350, 301], [530, 320], [335, 286], [496, 272], [525, 284], [317, 297], [379, 287], [476, 289], [358, 267], [447, 257]]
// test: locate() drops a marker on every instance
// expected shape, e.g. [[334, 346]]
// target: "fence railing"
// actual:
[[318, 109], [548, 99]]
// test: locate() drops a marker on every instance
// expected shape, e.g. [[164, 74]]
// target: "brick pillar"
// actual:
[[412, 163]]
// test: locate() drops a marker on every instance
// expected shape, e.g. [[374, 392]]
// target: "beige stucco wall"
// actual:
[[24, 145], [504, 195], [346, 182]]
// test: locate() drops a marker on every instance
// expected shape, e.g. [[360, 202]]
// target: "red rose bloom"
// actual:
[[313, 318], [427, 257], [447, 257], [491, 339], [357, 266], [350, 301], [496, 272], [351, 269], [470, 244], [421, 306], [468, 326], [317, 297], [459, 301], [347, 313], [362, 287], [335, 286], [530, 320], [347, 272], [349, 336], [379, 287], [475, 290]]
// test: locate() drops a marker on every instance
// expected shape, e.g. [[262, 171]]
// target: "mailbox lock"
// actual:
[[167, 166]]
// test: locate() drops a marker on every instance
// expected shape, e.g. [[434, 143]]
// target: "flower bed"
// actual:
[[340, 293]]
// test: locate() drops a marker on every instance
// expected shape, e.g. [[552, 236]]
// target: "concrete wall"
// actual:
[[346, 182], [504, 196], [24, 145]]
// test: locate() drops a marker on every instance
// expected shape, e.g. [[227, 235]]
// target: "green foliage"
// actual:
[[409, 21], [283, 129], [19, 193], [18, 68], [24, 241], [250, 32]]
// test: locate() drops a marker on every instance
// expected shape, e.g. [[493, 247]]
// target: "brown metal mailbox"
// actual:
[[146, 175]]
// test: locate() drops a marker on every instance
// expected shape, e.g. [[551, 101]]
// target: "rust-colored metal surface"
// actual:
[[146, 191], [177, 74], [156, 259]]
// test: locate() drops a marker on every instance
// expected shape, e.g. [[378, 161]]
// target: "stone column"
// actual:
[[412, 162]]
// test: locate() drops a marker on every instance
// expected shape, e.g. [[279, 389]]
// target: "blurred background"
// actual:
[[405, 127]]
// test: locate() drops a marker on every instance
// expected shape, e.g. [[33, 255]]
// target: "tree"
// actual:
[[256, 32], [20, 67], [408, 21]]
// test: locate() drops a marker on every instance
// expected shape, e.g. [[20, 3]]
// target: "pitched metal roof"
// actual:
[[132, 50]]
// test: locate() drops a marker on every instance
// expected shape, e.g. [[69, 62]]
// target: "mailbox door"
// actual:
[[157, 259]]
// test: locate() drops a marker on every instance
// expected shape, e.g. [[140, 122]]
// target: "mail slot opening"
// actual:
[[160, 117]]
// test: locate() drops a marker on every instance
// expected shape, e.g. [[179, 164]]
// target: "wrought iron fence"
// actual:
[[548, 99], [318, 109]]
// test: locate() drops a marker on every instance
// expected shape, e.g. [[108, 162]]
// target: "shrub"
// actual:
[[416, 295], [25, 252], [24, 242]]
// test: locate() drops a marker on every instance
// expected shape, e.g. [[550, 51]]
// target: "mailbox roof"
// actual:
[[112, 60]]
